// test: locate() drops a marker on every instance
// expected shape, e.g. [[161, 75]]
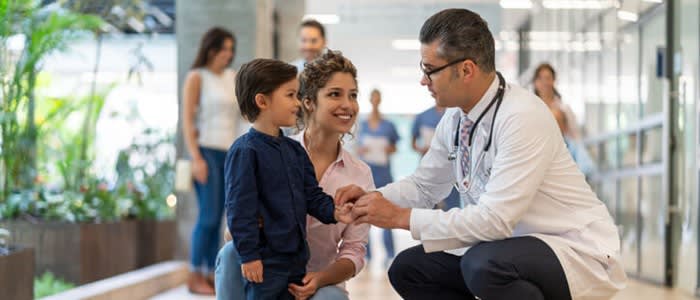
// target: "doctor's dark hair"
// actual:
[[316, 75], [260, 76], [461, 33]]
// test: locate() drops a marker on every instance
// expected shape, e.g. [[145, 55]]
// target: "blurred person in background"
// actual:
[[544, 80], [576, 148], [378, 137], [210, 123], [422, 134], [312, 42]]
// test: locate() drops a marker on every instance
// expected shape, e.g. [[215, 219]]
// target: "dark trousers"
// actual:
[[515, 268], [278, 273]]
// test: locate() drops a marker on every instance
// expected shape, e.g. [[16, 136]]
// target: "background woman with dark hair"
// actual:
[[544, 81], [210, 121]]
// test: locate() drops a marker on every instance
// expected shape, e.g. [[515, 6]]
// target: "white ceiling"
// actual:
[[368, 27]]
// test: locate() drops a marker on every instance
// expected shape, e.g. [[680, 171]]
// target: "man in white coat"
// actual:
[[531, 227]]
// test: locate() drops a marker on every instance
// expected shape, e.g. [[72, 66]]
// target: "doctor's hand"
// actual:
[[374, 209], [348, 193]]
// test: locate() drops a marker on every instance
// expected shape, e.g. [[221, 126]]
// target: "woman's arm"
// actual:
[[191, 93]]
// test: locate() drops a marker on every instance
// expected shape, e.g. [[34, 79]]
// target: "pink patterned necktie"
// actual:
[[464, 130]]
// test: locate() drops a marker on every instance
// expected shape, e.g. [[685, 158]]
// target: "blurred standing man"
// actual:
[[422, 134], [312, 42]]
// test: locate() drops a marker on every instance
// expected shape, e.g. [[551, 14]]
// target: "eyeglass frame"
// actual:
[[438, 69]]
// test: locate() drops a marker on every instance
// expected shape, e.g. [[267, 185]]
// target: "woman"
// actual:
[[328, 91], [544, 82], [378, 138], [210, 120]]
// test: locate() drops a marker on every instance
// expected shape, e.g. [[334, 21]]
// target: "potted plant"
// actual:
[[146, 173], [16, 269], [84, 228]]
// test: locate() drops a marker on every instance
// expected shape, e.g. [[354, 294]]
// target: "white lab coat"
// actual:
[[527, 184]]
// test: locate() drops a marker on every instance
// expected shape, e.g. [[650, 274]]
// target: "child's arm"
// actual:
[[318, 204], [242, 202]]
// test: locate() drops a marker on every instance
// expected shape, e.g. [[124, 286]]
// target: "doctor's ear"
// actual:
[[468, 68]]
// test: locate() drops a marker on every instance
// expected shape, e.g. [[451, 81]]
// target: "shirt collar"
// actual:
[[266, 137], [342, 155], [484, 101]]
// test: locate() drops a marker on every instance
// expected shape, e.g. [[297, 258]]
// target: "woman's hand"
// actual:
[[311, 285], [200, 170], [253, 271]]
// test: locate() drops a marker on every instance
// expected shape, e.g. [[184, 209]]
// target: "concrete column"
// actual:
[[251, 22], [289, 14]]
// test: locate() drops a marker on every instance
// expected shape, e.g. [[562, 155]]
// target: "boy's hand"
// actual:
[[343, 213], [253, 271]]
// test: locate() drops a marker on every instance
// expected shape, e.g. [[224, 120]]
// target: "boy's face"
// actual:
[[284, 104]]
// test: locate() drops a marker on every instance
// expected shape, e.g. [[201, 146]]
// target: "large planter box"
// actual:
[[156, 241], [17, 274], [79, 253]]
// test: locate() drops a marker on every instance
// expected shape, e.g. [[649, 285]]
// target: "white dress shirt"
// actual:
[[526, 185]]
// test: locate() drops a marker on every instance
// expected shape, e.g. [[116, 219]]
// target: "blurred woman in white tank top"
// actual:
[[210, 125]]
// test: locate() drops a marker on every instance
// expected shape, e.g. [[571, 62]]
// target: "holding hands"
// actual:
[[371, 208]]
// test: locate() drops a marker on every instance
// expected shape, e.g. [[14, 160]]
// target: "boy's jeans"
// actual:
[[230, 284]]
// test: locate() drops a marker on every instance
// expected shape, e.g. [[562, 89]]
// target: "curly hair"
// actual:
[[316, 75]]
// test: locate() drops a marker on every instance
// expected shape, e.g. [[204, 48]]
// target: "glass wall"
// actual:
[[613, 73]]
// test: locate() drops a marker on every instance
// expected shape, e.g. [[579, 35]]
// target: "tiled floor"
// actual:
[[373, 285]]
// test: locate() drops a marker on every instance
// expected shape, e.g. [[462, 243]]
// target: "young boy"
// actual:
[[271, 185]]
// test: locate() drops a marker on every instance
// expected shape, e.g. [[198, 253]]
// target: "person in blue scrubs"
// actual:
[[576, 148], [378, 138], [421, 133]]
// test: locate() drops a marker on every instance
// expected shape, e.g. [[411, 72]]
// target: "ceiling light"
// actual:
[[516, 4], [578, 4], [627, 16], [405, 44]]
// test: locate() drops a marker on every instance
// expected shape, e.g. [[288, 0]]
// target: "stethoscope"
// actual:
[[467, 186], [497, 99]]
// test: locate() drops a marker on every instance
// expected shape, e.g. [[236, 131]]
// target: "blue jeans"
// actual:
[[230, 285], [206, 236]]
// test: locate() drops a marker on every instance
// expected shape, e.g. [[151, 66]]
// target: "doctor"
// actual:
[[534, 227]]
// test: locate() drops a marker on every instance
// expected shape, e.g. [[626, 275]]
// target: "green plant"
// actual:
[[44, 32], [74, 149], [146, 174], [48, 284]]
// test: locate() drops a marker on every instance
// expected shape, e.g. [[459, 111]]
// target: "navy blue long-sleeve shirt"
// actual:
[[271, 178]]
